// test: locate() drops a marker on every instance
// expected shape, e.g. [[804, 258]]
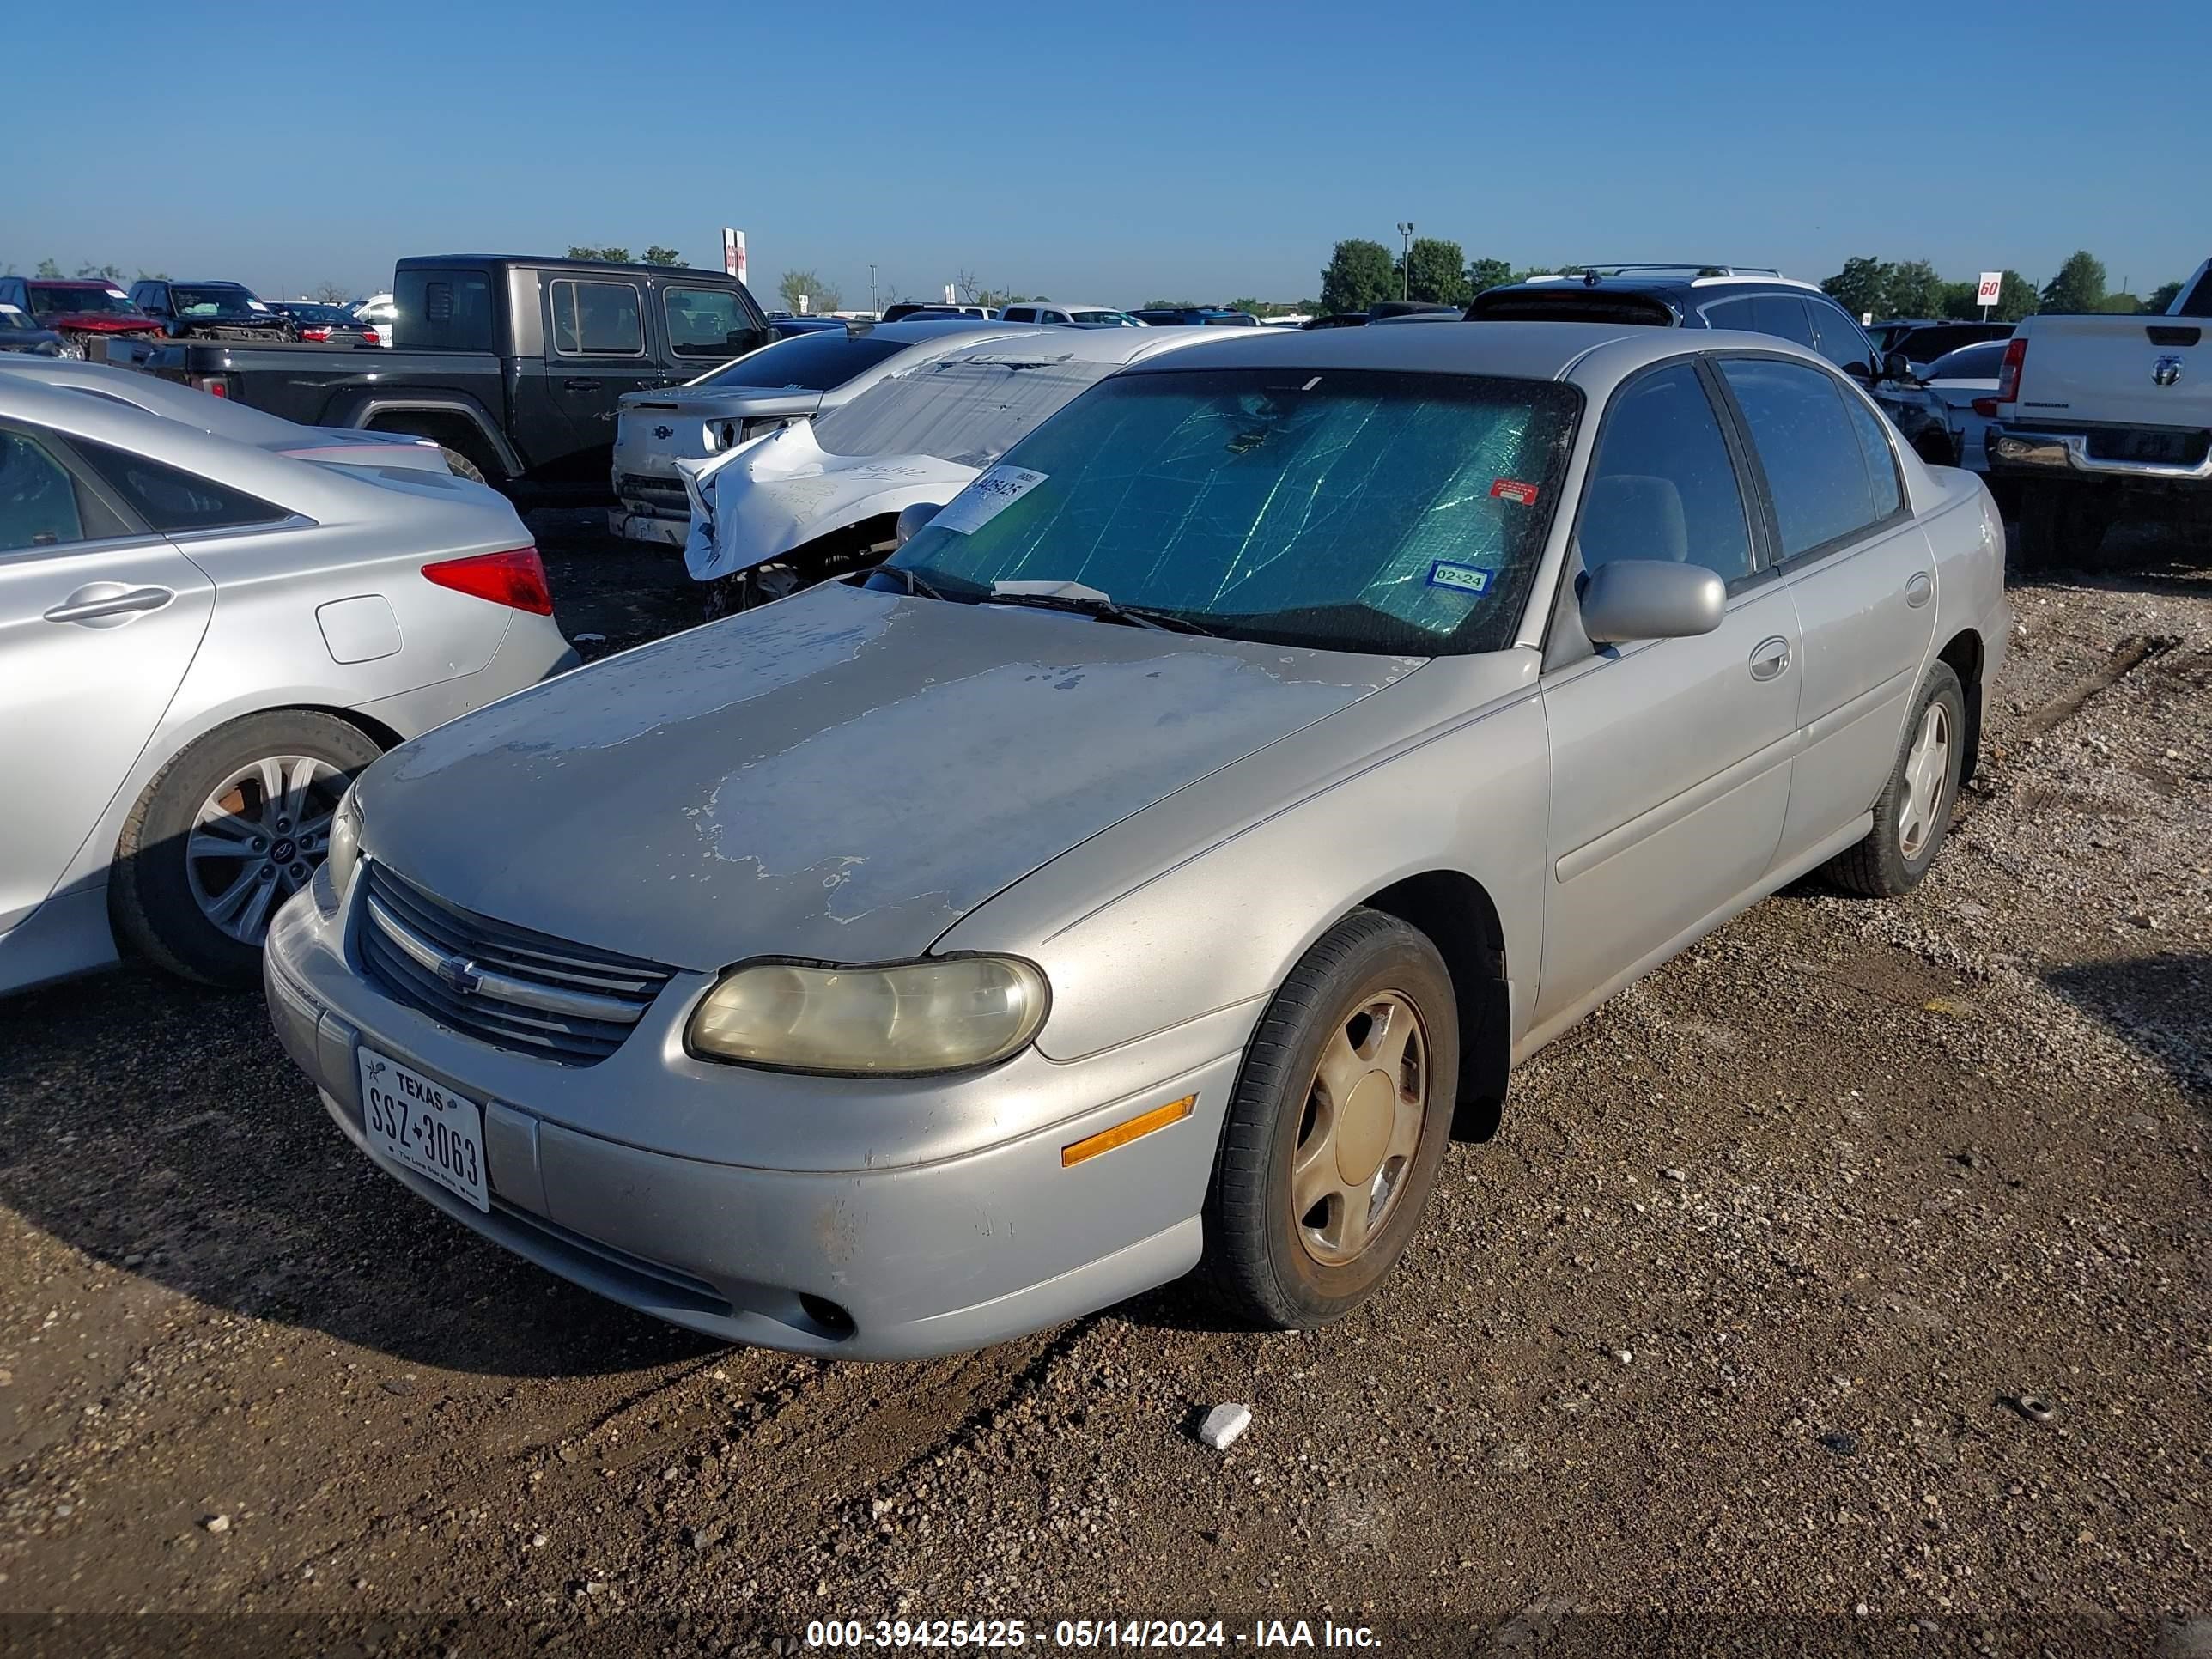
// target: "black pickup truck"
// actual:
[[513, 363]]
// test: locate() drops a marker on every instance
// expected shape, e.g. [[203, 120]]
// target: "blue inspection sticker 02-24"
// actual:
[[1462, 577]]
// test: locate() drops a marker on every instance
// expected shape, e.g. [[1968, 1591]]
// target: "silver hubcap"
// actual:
[[258, 838], [1360, 1127], [1927, 770]]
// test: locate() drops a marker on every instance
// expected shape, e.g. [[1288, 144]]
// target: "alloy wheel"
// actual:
[[1360, 1128], [258, 838], [1927, 770]]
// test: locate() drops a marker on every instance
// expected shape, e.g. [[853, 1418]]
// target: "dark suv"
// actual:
[[1690, 296], [209, 311], [1723, 296]]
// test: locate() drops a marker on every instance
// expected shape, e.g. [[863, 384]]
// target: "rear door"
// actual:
[[1860, 570], [99, 620], [596, 349]]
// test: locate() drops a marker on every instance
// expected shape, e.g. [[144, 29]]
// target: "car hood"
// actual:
[[96, 322], [839, 777]]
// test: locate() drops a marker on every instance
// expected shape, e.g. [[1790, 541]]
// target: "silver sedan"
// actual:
[[202, 640], [1153, 863]]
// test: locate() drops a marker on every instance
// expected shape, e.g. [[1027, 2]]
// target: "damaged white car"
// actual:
[[822, 498]]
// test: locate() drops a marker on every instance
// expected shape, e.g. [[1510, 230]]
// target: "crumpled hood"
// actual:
[[759, 501], [839, 776]]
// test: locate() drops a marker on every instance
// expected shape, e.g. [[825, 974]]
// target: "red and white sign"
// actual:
[[733, 252], [1992, 285], [1513, 489]]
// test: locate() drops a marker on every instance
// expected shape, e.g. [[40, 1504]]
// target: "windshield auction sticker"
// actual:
[[1461, 578], [988, 497]]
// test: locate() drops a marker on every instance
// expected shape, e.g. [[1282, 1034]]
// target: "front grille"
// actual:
[[661, 491], [533, 993]]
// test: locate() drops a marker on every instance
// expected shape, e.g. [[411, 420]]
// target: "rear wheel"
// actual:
[[1914, 808], [1337, 1128], [227, 832]]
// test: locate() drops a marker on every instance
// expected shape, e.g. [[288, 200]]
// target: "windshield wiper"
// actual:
[[914, 583], [1089, 602]]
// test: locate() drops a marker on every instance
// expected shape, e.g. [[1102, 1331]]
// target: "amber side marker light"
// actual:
[[1123, 1133]]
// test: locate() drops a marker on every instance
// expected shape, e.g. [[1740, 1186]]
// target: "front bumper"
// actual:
[[2028, 452], [964, 1230], [633, 524]]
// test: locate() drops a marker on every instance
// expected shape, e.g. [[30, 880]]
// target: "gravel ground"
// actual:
[[1841, 1288]]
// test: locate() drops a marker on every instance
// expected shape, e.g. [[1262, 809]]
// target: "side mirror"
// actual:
[[1651, 600], [912, 518], [1895, 366]]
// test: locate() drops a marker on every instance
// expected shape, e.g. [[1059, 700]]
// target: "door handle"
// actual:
[[87, 606], [1920, 589], [580, 386], [1769, 657]]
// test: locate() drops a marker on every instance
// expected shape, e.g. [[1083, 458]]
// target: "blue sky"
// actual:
[[1112, 154]]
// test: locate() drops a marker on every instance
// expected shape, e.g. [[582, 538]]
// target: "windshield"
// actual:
[[808, 363], [13, 318], [966, 411], [1107, 319], [1346, 511], [212, 298], [53, 301], [300, 312], [1979, 362]]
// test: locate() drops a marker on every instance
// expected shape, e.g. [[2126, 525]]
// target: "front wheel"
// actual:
[[1914, 808], [227, 832], [1337, 1128]]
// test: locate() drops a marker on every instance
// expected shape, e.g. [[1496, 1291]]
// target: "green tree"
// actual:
[[1168, 305], [658, 255], [2078, 287], [1358, 276], [619, 256], [48, 268], [821, 297], [1959, 302], [1912, 289], [1861, 286], [2015, 299], [1487, 273], [110, 273], [153, 275], [2161, 296], [1434, 270], [2122, 304]]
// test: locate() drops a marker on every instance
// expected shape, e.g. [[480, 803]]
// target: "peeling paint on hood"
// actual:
[[842, 775]]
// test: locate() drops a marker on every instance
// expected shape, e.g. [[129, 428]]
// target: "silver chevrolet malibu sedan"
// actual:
[[1150, 865]]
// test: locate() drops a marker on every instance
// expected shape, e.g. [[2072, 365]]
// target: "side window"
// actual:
[[1731, 313], [1885, 491], [1842, 342], [444, 310], [597, 319], [171, 500], [1663, 486], [37, 498], [1815, 463], [1782, 314], [706, 322], [1019, 314]]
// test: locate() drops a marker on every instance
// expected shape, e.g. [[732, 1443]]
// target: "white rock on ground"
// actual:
[[1224, 1424]]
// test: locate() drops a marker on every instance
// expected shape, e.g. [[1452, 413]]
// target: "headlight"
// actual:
[[345, 842], [915, 1016]]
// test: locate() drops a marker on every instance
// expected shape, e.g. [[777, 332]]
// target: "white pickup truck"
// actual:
[[2096, 412]]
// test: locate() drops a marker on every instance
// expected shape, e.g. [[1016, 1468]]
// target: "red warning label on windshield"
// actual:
[[1512, 491]]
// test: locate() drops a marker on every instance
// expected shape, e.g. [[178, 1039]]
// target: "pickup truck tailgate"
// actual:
[[2137, 371]]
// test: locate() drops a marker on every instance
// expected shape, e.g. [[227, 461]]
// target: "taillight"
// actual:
[[370, 336], [315, 335], [2008, 371], [1986, 407], [514, 578], [216, 385]]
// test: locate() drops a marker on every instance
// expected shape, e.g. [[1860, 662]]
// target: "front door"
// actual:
[[98, 625], [1670, 758], [1860, 571]]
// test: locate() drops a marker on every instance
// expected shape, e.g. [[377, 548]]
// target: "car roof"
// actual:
[[1063, 304], [1085, 345], [427, 261], [918, 330], [100, 282], [1513, 350]]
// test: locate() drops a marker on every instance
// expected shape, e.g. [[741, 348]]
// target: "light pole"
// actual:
[[1405, 259], [872, 305]]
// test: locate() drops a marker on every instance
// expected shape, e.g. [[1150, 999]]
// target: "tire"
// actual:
[[164, 903], [1267, 1262], [1892, 858], [461, 466]]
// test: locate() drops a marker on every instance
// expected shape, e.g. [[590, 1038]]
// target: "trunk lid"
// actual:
[[2137, 371]]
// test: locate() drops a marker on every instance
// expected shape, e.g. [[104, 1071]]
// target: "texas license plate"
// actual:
[[423, 1126]]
